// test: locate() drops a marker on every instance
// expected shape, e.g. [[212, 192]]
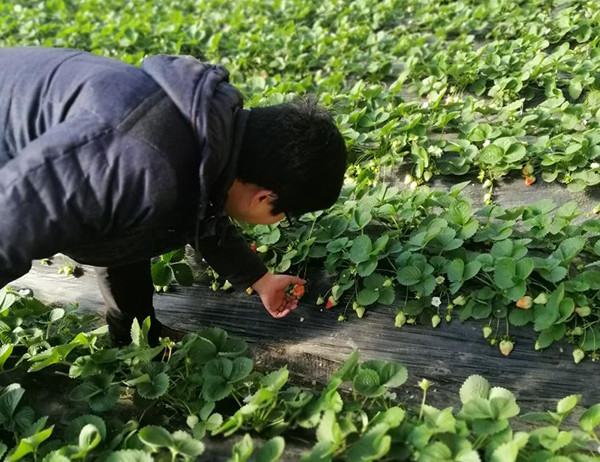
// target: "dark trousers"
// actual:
[[128, 292]]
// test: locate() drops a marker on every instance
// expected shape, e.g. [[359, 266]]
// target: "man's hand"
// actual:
[[271, 288]]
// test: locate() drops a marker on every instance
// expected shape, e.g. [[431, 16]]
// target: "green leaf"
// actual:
[[183, 274], [272, 450], [590, 419], [129, 455], [5, 352], [546, 315], [242, 367], [106, 399], [456, 270], [74, 428], [506, 452], [504, 273], [155, 388], [162, 274], [519, 317], [387, 295], [361, 250], [156, 437], [474, 387], [216, 388], [242, 450], [186, 445], [29, 445], [409, 276], [567, 404], [491, 154], [367, 384], [367, 297], [89, 438]]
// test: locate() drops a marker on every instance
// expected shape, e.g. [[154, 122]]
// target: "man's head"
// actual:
[[292, 160]]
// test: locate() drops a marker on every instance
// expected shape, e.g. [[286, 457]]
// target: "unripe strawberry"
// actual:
[[408, 179], [387, 283], [262, 248], [320, 300], [487, 184], [400, 319], [249, 290], [360, 311], [487, 331], [577, 331], [578, 355], [541, 299], [427, 175], [227, 285], [525, 303], [448, 317], [583, 311], [341, 318], [506, 346], [435, 320], [528, 170]]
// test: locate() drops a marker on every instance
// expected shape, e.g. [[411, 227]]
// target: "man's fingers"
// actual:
[[281, 314]]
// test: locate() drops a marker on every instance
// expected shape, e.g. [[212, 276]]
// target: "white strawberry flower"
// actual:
[[486, 143], [595, 165], [436, 301]]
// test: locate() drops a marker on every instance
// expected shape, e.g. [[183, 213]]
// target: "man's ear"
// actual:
[[265, 195]]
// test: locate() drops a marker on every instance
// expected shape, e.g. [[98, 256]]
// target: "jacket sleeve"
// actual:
[[230, 255]]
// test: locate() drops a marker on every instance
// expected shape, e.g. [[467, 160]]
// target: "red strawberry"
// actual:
[[529, 180], [298, 291], [331, 302], [253, 247]]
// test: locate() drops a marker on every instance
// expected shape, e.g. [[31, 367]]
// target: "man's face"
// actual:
[[251, 204]]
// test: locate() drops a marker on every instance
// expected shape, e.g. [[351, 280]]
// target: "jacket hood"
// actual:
[[203, 94]]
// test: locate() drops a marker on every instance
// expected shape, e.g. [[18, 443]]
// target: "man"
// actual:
[[112, 164]]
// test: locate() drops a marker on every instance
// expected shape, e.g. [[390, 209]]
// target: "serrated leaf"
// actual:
[[474, 387], [590, 419], [361, 250], [367, 297], [272, 450]]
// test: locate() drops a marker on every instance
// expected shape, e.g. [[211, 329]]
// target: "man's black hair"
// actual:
[[295, 150]]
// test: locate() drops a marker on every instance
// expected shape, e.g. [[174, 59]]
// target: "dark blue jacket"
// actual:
[[112, 164]]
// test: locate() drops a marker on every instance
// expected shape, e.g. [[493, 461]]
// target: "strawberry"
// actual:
[[331, 302], [253, 247], [525, 303], [320, 301], [528, 170], [578, 355], [506, 346], [435, 320], [529, 180], [487, 331], [400, 319], [583, 311], [298, 291]]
